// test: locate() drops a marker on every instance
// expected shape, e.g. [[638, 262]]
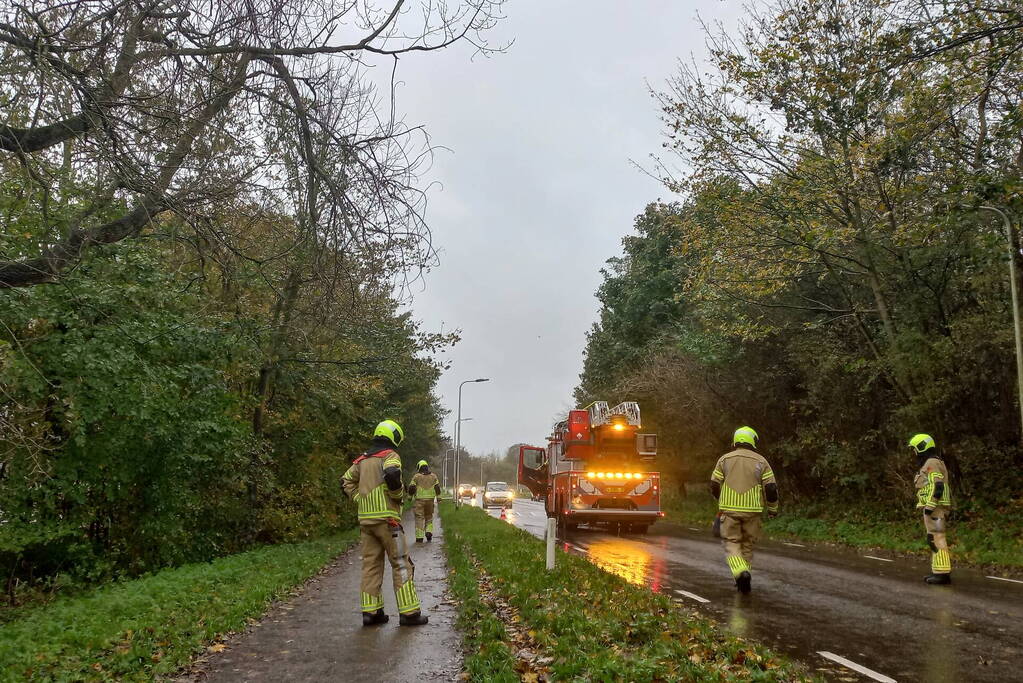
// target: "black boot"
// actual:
[[429, 536], [938, 579], [744, 582], [374, 618], [419, 540], [414, 619]]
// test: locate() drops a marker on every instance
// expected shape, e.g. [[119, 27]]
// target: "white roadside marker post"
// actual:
[[552, 531]]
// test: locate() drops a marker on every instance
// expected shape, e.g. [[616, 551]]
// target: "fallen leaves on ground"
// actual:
[[531, 665]]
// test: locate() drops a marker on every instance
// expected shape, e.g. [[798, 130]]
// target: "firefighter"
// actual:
[[934, 498], [374, 483], [425, 489], [741, 482]]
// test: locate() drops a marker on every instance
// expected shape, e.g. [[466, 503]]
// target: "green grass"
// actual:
[[597, 626], [487, 656], [140, 629], [978, 535]]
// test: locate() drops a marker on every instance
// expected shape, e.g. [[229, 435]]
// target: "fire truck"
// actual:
[[595, 469]]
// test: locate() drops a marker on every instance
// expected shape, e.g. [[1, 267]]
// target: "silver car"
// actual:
[[498, 494]]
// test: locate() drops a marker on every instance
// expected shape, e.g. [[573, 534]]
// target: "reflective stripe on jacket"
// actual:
[[742, 474], [931, 473], [426, 485], [364, 483]]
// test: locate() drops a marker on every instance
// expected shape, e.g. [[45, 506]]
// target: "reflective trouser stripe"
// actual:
[[419, 533], [737, 564], [941, 562], [408, 600], [371, 603], [429, 527]]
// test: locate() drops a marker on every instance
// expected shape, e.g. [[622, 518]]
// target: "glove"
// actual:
[[412, 490]]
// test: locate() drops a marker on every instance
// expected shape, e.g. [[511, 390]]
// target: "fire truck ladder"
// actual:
[[600, 414]]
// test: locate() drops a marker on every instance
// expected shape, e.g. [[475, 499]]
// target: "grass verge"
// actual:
[[152, 626], [975, 538], [595, 625], [488, 658]]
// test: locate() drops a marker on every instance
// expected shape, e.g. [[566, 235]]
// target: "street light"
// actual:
[[1011, 238], [451, 451], [458, 431], [447, 453]]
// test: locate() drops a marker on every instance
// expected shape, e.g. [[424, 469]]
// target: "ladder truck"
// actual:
[[595, 470]]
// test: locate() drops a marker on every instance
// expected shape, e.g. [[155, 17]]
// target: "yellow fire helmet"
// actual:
[[390, 430], [746, 435], [421, 464], [922, 443]]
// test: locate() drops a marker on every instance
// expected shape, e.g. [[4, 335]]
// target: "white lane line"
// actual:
[[879, 559], [857, 668], [999, 578], [694, 596], [795, 545]]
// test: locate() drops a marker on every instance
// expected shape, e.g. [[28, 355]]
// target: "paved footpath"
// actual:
[[318, 635]]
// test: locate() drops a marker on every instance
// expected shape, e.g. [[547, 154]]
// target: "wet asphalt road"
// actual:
[[874, 613]]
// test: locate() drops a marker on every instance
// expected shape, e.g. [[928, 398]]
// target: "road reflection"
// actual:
[[939, 645], [627, 559]]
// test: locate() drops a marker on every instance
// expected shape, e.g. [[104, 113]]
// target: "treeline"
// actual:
[[835, 272], [154, 416], [209, 220]]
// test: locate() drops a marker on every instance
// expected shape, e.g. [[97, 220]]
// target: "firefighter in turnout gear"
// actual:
[[425, 489], [742, 481], [934, 498], [374, 483]]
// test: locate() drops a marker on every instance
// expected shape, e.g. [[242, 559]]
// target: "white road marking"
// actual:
[[694, 596], [999, 578], [879, 559], [692, 528], [857, 668], [796, 545]]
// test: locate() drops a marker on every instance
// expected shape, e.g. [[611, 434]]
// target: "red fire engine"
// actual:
[[594, 469]]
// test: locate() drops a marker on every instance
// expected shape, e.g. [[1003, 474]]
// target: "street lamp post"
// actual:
[[457, 428], [447, 454], [458, 432], [1011, 238]]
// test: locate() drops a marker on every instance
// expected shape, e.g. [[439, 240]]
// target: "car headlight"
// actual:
[[511, 494]]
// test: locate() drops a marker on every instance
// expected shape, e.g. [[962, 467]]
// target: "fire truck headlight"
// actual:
[[619, 427]]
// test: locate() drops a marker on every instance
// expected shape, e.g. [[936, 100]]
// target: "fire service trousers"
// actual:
[[739, 531], [381, 539]]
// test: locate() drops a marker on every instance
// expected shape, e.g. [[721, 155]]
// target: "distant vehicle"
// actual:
[[466, 491], [498, 494]]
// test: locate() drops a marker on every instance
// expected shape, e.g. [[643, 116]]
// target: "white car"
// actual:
[[498, 494]]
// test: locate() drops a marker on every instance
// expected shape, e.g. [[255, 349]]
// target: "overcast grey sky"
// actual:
[[538, 191]]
